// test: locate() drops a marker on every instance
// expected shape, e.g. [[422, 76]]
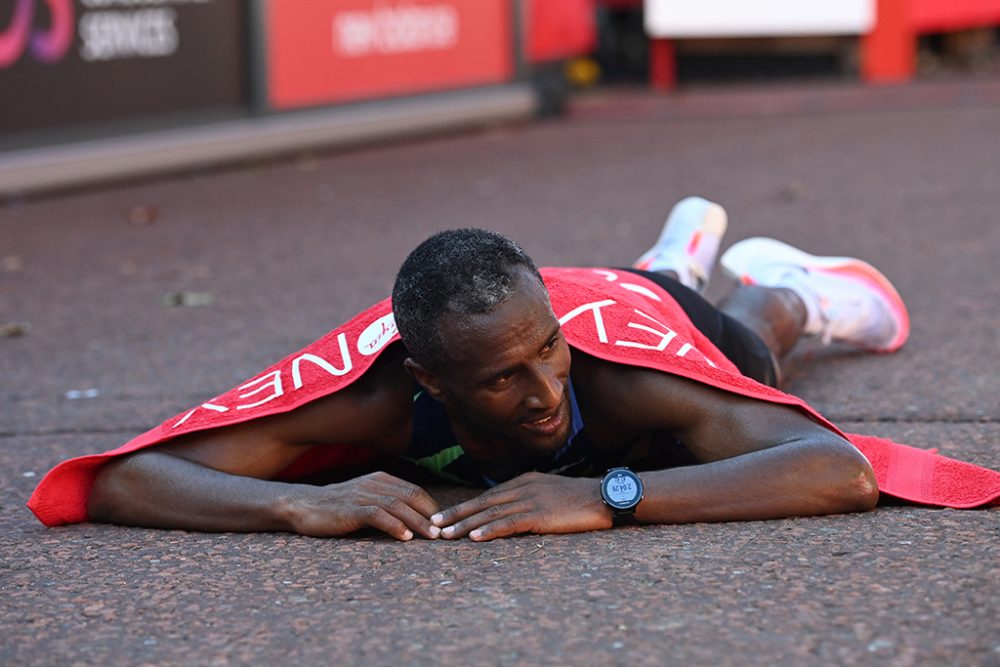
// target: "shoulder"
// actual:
[[714, 424], [637, 398], [373, 412], [376, 410]]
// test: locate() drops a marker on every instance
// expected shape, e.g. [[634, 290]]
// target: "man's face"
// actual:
[[507, 381]]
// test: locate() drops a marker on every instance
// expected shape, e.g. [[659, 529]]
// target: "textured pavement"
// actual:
[[904, 177]]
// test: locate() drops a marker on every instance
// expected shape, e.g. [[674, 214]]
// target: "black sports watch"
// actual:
[[621, 490]]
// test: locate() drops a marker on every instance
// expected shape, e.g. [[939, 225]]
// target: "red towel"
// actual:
[[620, 317]]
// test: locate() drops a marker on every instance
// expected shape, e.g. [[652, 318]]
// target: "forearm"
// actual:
[[158, 490], [794, 479]]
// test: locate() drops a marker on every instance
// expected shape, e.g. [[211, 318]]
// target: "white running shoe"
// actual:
[[847, 300], [688, 243]]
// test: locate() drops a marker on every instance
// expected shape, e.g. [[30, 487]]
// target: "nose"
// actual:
[[546, 390]]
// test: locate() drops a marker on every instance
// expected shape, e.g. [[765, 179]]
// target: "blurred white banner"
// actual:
[[760, 18]]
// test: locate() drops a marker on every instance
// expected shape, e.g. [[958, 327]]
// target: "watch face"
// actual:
[[622, 489]]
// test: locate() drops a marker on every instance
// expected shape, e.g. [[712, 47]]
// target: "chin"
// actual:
[[544, 445]]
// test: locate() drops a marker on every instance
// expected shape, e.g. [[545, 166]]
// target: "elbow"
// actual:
[[860, 493], [867, 488], [852, 484]]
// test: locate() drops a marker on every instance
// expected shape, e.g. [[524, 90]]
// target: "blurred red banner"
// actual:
[[326, 51]]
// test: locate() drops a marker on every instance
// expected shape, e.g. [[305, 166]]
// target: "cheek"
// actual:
[[506, 406], [493, 406]]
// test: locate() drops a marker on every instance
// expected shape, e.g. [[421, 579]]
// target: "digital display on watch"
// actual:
[[621, 489]]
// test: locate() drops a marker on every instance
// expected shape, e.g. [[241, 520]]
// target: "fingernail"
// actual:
[[447, 532], [435, 531], [407, 535], [437, 518], [476, 534]]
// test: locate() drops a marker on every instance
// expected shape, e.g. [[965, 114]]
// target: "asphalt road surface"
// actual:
[[279, 252]]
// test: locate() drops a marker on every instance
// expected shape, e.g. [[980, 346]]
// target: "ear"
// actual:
[[430, 380]]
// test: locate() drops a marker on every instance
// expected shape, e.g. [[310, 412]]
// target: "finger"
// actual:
[[378, 518], [418, 499], [415, 496], [414, 520], [511, 525], [492, 514], [407, 502], [481, 503]]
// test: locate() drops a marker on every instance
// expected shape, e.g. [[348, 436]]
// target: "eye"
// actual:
[[502, 379], [551, 344]]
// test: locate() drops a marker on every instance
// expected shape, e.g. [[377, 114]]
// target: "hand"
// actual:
[[379, 500], [530, 503]]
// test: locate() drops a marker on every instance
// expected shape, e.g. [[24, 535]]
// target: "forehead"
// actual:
[[518, 326]]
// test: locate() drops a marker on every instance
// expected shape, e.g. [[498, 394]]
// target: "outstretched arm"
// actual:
[[220, 480], [159, 490], [758, 460]]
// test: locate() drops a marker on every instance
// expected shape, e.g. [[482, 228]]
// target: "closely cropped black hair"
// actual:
[[456, 272]]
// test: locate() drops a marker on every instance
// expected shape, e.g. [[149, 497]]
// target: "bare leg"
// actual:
[[777, 315]]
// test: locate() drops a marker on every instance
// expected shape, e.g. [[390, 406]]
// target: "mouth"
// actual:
[[546, 425]]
